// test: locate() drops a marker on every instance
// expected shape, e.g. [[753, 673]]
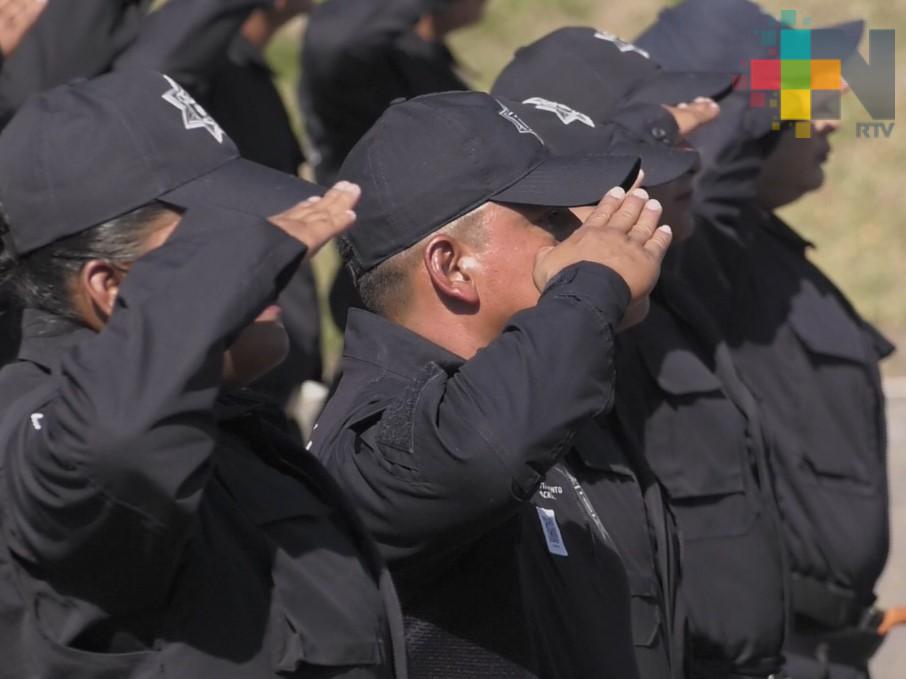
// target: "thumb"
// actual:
[[660, 241], [540, 276]]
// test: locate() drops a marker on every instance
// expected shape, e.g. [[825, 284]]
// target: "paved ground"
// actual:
[[890, 663]]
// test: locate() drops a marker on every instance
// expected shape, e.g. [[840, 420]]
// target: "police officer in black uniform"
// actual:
[[84, 39], [462, 389], [679, 401], [156, 520], [809, 357], [207, 46]]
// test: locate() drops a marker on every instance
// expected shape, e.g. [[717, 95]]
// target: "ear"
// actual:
[[451, 268], [99, 283]]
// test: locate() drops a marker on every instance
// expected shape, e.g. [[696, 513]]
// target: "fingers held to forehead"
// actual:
[[342, 195], [611, 202], [659, 242], [648, 220], [627, 215]]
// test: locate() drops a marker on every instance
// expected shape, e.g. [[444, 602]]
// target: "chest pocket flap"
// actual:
[[825, 326], [671, 360]]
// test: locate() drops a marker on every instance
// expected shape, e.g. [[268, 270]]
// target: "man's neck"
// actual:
[[452, 336]]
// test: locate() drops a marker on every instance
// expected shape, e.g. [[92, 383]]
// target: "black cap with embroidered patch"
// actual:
[[566, 131], [597, 73], [432, 159], [84, 153]]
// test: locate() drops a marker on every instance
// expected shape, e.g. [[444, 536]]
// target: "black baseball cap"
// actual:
[[712, 34], [84, 153], [596, 72], [430, 160], [566, 131]]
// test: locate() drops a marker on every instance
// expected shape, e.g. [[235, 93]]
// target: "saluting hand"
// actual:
[[16, 18], [316, 220], [622, 233]]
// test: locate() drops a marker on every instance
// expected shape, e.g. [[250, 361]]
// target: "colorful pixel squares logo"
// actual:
[[805, 73]]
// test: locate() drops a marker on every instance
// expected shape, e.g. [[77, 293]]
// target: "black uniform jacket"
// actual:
[[358, 56], [685, 408], [812, 361], [613, 523], [148, 532], [442, 457]]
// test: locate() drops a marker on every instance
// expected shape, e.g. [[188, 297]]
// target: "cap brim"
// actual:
[[661, 164], [244, 186], [837, 42], [571, 181], [674, 87]]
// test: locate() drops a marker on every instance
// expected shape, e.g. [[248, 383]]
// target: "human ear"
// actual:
[[451, 268], [99, 284]]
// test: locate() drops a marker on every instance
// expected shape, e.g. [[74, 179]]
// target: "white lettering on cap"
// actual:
[[566, 114], [507, 114], [621, 45], [193, 115]]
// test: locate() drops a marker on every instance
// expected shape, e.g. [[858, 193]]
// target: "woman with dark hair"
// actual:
[[157, 519]]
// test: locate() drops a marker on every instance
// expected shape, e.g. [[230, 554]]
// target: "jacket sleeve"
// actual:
[[188, 39], [460, 450], [105, 468]]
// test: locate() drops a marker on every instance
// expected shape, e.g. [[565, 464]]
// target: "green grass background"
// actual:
[[856, 219]]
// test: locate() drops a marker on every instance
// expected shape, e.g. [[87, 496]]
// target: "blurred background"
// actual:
[[856, 220]]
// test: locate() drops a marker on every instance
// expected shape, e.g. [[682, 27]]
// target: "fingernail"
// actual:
[[653, 204], [617, 192], [344, 186], [665, 228], [682, 104], [313, 199], [640, 193]]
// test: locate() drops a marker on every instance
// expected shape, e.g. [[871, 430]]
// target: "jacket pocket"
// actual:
[[51, 659], [696, 442], [841, 436]]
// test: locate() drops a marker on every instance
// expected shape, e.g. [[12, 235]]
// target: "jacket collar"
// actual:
[[46, 336], [779, 228], [394, 349]]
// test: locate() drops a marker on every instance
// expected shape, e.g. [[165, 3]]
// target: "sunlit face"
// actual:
[[795, 166], [505, 263]]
